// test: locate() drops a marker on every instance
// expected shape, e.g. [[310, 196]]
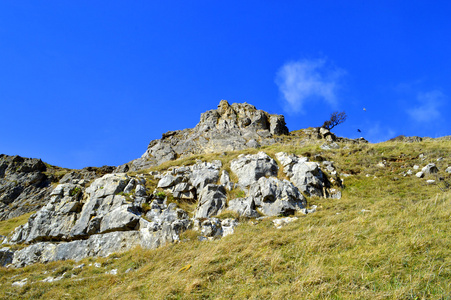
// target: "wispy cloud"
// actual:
[[428, 107], [308, 80]]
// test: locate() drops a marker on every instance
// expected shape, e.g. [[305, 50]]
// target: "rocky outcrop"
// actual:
[[79, 222], [229, 127], [249, 168], [23, 185], [276, 197], [305, 175], [26, 183]]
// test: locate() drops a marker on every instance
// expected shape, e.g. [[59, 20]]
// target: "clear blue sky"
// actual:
[[91, 83]]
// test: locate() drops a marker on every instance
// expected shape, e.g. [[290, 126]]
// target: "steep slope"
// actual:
[[387, 237]]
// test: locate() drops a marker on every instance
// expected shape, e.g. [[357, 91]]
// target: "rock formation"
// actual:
[[227, 128]]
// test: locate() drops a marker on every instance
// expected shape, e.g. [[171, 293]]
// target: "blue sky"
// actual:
[[91, 83]]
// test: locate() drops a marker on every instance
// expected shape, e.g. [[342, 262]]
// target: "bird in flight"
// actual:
[[358, 130], [364, 109]]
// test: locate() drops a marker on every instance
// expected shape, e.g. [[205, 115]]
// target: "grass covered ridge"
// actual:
[[387, 238]]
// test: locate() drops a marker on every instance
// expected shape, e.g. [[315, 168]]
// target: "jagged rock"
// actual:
[[448, 170], [249, 168], [429, 169], [55, 220], [419, 174], [211, 228], [244, 207], [306, 176], [23, 185], [212, 200], [119, 219], [186, 182], [276, 197], [225, 180], [228, 226], [228, 128], [6, 256]]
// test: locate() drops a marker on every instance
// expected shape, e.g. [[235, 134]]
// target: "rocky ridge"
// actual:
[[94, 213], [229, 127], [117, 212]]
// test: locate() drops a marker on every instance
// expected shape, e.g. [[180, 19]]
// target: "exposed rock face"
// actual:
[[187, 182], [276, 197], [97, 221], [249, 168], [230, 127], [6, 256], [307, 176], [212, 200], [23, 185]]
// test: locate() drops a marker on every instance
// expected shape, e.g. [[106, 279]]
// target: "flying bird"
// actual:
[[358, 130], [364, 109]]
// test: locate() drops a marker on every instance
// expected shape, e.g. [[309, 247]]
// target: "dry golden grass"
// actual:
[[387, 238]]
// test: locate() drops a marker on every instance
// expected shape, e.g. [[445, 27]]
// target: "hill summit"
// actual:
[[227, 128]]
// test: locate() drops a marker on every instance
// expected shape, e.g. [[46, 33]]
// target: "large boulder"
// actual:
[[249, 168], [276, 197], [212, 200], [187, 182], [306, 176]]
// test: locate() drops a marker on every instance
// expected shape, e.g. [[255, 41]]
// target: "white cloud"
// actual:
[[429, 107], [308, 80]]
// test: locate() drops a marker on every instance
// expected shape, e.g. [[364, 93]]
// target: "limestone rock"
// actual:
[[6, 256], [249, 168], [212, 200], [429, 169], [276, 197], [227, 128], [244, 207], [448, 170], [306, 176]]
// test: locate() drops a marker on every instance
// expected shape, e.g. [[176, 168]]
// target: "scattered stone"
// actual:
[[79, 267], [20, 283], [112, 272], [129, 270], [382, 164], [228, 226], [440, 159], [244, 207], [416, 167], [448, 170], [330, 146], [279, 223], [97, 265], [419, 174], [430, 169], [430, 181]]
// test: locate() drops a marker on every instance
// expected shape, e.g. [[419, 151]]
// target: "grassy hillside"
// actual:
[[387, 238]]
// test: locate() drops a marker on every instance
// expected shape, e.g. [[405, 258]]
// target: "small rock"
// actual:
[[416, 167], [440, 158], [112, 272], [430, 181], [430, 169], [97, 265], [79, 267], [129, 270], [448, 170], [419, 174], [20, 283], [279, 223]]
